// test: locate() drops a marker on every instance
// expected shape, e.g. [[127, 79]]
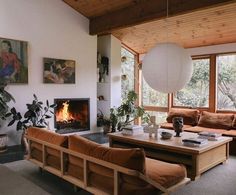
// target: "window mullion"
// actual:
[[212, 86]]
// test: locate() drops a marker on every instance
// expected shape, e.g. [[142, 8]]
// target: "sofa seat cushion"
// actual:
[[170, 126], [129, 158], [164, 173], [231, 133], [216, 120], [190, 116], [198, 129], [47, 136]]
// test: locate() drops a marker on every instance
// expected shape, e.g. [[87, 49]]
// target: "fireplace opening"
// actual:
[[72, 115]]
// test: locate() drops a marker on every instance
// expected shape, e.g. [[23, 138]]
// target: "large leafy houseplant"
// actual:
[[127, 112], [5, 99], [36, 114]]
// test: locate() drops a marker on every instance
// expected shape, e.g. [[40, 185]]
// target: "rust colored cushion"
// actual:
[[198, 129], [129, 158], [170, 126], [216, 120], [190, 116], [53, 161], [164, 173], [47, 136], [37, 154], [231, 133], [75, 171], [101, 182], [234, 122]]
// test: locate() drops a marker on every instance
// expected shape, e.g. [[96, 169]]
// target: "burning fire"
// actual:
[[63, 115]]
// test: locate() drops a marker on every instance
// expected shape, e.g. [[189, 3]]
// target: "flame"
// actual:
[[64, 114]]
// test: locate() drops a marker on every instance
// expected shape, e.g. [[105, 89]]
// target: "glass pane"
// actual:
[[196, 93], [160, 116], [127, 72], [226, 84], [151, 97]]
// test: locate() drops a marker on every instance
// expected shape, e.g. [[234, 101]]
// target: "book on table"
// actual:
[[194, 142], [131, 129], [209, 135]]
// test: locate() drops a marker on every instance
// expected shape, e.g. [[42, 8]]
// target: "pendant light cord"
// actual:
[[167, 37]]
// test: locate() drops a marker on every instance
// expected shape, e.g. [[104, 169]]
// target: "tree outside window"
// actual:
[[151, 97], [226, 82], [196, 93], [127, 72]]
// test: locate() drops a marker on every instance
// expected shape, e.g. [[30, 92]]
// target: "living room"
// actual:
[[54, 31]]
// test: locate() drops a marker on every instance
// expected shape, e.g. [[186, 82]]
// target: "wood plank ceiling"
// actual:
[[201, 27]]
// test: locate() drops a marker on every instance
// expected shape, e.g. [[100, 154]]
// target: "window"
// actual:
[[151, 97], [127, 72], [160, 116], [226, 82], [196, 93]]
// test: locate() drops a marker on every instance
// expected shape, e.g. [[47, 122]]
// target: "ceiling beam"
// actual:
[[146, 11]]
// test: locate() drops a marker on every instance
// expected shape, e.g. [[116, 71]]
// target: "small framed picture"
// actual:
[[14, 60], [58, 71]]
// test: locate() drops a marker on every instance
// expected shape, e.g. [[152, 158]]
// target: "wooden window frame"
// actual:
[[212, 107], [216, 95], [211, 76]]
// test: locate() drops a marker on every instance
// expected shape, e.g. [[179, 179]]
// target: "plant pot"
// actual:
[[106, 129], [24, 142], [3, 142]]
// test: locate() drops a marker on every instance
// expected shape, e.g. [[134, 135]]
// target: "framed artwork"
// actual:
[[58, 71], [14, 60]]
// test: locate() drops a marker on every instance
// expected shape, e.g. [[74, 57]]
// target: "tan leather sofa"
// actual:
[[100, 169], [194, 121]]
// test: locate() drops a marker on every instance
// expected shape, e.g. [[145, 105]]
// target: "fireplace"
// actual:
[[72, 115]]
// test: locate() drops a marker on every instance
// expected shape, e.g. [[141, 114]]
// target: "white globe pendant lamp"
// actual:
[[167, 67]]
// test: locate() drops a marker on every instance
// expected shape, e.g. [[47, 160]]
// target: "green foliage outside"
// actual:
[[196, 93], [151, 97], [226, 88], [127, 72]]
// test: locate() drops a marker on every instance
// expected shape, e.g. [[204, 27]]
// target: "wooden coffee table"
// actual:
[[196, 159]]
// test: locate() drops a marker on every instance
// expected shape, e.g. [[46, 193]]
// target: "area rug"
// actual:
[[47, 181], [220, 180]]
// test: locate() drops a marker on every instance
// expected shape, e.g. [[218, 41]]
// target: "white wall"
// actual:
[[110, 46], [52, 29]]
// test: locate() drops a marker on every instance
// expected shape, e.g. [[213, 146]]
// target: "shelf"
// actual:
[[103, 100], [102, 82]]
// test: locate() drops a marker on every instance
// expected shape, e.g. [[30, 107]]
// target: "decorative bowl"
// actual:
[[166, 135]]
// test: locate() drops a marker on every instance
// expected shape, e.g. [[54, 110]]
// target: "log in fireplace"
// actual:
[[72, 115]]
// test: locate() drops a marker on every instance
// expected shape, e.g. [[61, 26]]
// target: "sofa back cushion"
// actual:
[[234, 122], [216, 120], [190, 116], [129, 158], [47, 136]]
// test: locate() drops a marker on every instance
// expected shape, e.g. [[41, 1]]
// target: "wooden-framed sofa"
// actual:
[[100, 169], [196, 121]]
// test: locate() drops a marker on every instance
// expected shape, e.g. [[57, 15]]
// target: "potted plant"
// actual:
[[127, 112], [106, 125], [36, 115], [5, 98]]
